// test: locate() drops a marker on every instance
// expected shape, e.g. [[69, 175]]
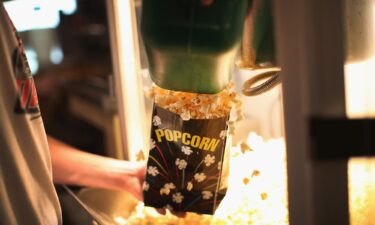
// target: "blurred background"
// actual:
[[67, 45]]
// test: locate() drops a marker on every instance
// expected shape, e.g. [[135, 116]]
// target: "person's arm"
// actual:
[[75, 167]]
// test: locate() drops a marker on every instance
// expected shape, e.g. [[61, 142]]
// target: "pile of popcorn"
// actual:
[[148, 216], [195, 105]]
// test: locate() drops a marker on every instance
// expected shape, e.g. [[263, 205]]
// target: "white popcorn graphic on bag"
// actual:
[[152, 170], [187, 150], [185, 115], [195, 105], [181, 164], [209, 160], [199, 177], [167, 188], [177, 197], [207, 194]]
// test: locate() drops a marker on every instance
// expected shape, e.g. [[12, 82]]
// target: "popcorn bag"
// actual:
[[185, 163]]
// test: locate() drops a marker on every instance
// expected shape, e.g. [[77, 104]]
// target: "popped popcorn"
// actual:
[[244, 147], [196, 105]]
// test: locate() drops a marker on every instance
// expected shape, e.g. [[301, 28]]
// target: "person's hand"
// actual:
[[132, 180], [76, 167]]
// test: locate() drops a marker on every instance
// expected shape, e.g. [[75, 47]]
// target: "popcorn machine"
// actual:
[[292, 155]]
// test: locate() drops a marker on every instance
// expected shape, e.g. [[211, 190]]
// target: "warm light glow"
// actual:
[[361, 173], [120, 221], [360, 89], [30, 15], [257, 192], [360, 86], [360, 103]]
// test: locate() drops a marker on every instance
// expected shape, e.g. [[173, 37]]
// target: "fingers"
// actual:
[[134, 187]]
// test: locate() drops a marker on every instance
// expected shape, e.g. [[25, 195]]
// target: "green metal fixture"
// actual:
[[191, 44]]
